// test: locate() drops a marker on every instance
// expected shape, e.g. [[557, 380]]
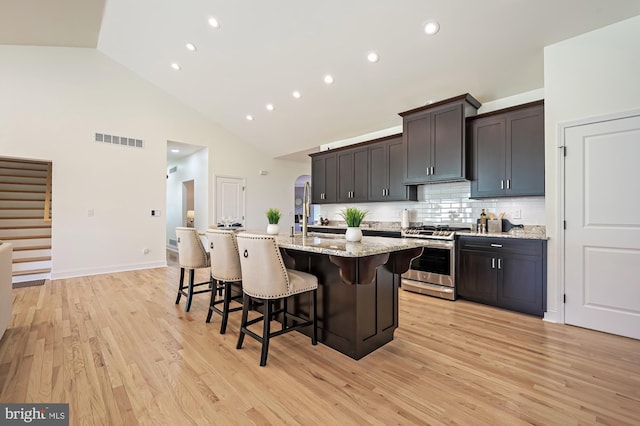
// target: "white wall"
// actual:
[[192, 167], [594, 74], [52, 102], [509, 101]]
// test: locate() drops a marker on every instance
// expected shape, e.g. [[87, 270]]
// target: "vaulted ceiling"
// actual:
[[263, 51]]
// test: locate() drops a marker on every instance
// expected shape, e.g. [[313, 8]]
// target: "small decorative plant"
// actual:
[[353, 216], [273, 216]]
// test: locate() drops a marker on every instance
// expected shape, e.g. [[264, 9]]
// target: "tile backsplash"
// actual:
[[445, 203]]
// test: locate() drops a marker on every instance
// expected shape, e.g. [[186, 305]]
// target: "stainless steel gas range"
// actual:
[[433, 273]]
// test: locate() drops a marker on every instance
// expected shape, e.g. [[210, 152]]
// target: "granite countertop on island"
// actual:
[[337, 245]]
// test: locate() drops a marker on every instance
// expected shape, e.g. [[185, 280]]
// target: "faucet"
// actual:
[[306, 208]]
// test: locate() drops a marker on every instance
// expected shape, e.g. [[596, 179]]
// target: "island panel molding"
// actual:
[[360, 270]]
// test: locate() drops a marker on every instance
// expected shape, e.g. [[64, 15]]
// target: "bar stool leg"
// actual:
[[284, 315], [314, 318], [266, 331], [246, 301], [192, 273], [180, 285], [212, 301], [225, 307]]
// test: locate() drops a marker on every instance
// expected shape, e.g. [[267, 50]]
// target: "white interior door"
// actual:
[[230, 199], [602, 237]]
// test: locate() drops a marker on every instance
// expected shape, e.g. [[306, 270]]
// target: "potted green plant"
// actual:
[[353, 216], [273, 216]]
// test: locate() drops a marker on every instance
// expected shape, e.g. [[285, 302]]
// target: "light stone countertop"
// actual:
[[337, 245], [528, 233]]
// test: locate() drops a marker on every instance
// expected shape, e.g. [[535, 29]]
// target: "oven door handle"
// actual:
[[448, 245]]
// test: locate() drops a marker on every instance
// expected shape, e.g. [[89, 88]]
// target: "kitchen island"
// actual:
[[357, 287]]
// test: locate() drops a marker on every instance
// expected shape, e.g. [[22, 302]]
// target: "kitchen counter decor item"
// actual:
[[404, 224], [273, 216], [353, 216], [494, 226]]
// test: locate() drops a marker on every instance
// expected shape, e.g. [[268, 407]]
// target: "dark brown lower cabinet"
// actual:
[[505, 272]]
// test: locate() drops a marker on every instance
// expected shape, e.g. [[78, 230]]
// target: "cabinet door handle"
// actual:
[[493, 263], [499, 263], [502, 184], [428, 171], [432, 171], [322, 196], [496, 245], [508, 183]]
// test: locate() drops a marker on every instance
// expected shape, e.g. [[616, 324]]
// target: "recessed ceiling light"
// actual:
[[249, 117], [373, 57], [270, 107], [328, 79], [214, 22], [191, 47], [175, 150], [296, 94], [431, 27], [176, 66]]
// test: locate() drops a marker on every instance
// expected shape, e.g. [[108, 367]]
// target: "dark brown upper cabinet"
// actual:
[[434, 144], [353, 172], [367, 171], [507, 150], [386, 171], [324, 174]]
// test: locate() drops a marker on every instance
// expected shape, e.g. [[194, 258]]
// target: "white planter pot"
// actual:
[[353, 234], [273, 229]]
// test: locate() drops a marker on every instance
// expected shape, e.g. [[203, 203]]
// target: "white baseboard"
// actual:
[[83, 272], [552, 316]]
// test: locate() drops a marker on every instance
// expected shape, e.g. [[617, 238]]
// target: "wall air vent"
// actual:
[[119, 140], [173, 169]]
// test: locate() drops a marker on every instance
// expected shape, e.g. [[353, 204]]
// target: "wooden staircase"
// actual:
[[25, 216]]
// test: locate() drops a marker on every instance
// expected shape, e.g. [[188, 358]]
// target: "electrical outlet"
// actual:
[[517, 214]]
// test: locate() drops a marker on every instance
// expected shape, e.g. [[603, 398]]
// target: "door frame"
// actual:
[[560, 191]]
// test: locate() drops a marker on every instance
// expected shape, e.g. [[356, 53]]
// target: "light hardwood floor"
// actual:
[[121, 353]]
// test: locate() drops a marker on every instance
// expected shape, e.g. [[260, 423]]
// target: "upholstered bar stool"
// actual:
[[265, 278], [191, 255], [225, 270]]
